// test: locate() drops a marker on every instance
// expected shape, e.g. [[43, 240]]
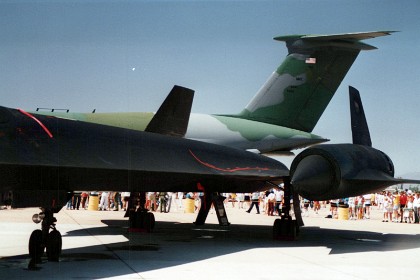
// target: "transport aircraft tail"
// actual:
[[297, 93]]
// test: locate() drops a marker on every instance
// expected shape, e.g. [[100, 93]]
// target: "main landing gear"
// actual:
[[140, 219], [286, 228], [43, 238]]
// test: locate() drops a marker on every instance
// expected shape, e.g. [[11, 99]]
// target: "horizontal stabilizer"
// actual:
[[359, 126], [343, 36], [346, 39], [381, 179], [173, 115], [272, 153], [279, 153]]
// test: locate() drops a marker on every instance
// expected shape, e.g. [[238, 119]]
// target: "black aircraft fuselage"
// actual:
[[39, 153]]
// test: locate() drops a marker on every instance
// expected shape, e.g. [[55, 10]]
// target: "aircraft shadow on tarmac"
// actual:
[[172, 244], [243, 237]]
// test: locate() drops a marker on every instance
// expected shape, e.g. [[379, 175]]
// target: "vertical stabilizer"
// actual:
[[297, 93], [359, 126], [173, 115]]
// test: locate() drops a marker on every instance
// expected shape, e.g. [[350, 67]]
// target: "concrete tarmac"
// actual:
[[97, 245]]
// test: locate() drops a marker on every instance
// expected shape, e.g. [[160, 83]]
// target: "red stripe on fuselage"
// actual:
[[226, 169], [38, 121]]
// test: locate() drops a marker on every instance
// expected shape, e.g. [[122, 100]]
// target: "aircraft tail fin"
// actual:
[[173, 115], [361, 136], [359, 126], [297, 93]]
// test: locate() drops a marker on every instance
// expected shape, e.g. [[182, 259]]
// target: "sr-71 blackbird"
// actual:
[[42, 158], [283, 113]]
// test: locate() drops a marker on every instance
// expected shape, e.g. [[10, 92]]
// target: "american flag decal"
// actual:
[[310, 60]]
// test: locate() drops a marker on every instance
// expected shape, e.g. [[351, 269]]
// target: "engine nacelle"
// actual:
[[334, 171]]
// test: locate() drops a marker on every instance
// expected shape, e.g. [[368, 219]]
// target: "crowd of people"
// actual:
[[106, 200], [114, 201], [397, 206]]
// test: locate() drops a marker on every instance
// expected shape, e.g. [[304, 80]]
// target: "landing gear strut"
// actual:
[[207, 201], [286, 228], [43, 238]]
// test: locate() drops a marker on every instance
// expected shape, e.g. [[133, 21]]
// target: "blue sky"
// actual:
[[127, 55]]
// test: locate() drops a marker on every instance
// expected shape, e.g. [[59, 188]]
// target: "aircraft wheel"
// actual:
[[285, 229], [36, 248], [149, 222], [277, 228], [293, 231], [289, 230], [54, 244]]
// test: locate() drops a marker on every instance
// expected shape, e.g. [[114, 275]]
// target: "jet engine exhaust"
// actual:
[[314, 176], [340, 170]]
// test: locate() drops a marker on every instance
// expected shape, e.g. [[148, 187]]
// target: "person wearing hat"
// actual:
[[416, 206], [403, 203], [409, 209], [395, 206]]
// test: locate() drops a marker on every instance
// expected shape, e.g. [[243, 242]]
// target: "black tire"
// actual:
[[36, 248], [54, 244], [293, 230], [285, 229], [277, 228], [149, 222]]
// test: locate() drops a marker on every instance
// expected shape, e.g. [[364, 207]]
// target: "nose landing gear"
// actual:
[[43, 238]]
